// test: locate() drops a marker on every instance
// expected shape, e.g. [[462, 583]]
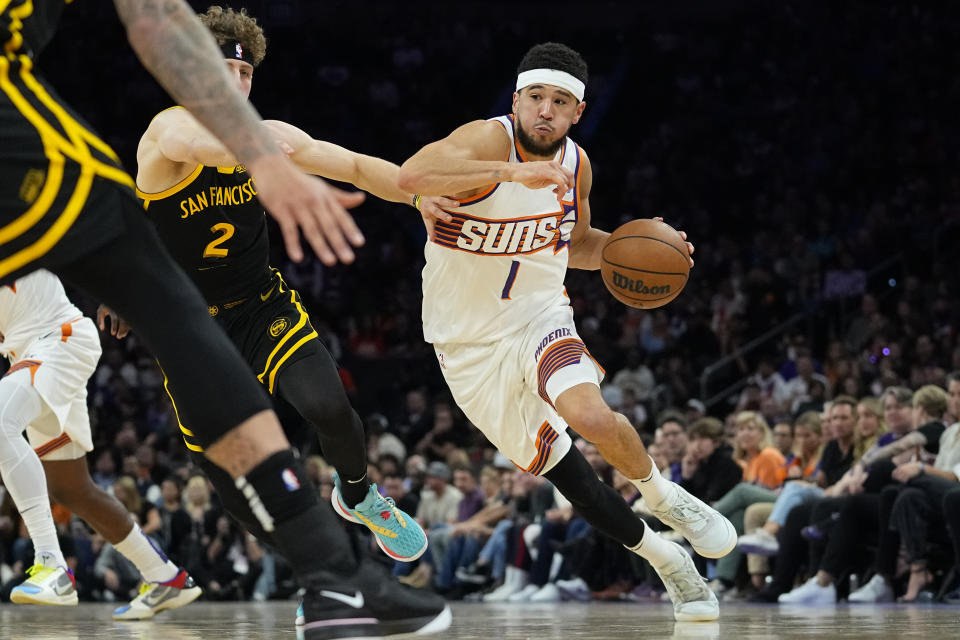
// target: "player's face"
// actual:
[[544, 114], [242, 74]]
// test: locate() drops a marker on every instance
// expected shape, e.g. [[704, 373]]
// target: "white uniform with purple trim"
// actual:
[[53, 349], [496, 311]]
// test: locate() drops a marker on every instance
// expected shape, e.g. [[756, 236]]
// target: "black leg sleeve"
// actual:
[[597, 503], [312, 386]]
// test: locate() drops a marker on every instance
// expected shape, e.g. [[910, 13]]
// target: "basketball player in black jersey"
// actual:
[[67, 205], [205, 208]]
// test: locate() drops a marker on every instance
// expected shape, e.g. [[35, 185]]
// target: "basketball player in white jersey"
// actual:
[[53, 350], [495, 309]]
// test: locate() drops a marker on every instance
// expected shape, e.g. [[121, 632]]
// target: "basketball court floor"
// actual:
[[616, 621]]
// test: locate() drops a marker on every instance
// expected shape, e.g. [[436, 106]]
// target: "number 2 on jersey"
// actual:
[[511, 277], [213, 250]]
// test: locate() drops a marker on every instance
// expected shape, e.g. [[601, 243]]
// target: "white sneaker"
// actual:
[[876, 590], [810, 593], [761, 542], [547, 593], [514, 581], [575, 589], [692, 600], [710, 534], [524, 594], [48, 583], [155, 597]]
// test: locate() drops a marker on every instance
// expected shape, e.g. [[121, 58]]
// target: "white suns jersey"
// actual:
[[30, 308], [503, 258]]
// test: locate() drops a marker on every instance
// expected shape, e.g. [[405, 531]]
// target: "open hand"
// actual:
[[301, 203], [432, 209], [539, 175]]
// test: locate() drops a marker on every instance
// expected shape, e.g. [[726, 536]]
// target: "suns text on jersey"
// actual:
[[506, 237], [217, 196]]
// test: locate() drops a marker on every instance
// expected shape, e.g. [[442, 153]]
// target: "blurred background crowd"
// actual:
[[809, 149]]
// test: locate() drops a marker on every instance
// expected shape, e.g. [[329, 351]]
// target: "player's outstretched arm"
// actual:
[[473, 157], [374, 175], [182, 55]]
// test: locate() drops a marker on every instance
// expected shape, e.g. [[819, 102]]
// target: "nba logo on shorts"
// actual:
[[290, 479], [239, 51]]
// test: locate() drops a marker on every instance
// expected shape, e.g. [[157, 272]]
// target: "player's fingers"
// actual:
[[348, 200], [659, 218], [321, 239], [101, 315], [291, 236], [123, 330]]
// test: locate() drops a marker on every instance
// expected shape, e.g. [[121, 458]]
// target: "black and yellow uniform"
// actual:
[[215, 228], [53, 169], [67, 205]]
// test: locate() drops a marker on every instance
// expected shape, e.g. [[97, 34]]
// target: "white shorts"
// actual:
[[57, 366], [508, 388]]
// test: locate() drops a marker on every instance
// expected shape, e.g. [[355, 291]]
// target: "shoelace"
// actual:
[[39, 571], [392, 505], [684, 509], [685, 587]]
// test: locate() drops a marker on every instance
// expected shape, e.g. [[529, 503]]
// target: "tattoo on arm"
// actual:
[[181, 54], [913, 439]]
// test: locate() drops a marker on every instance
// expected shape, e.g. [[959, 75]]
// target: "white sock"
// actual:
[[141, 551], [655, 549], [22, 470], [654, 488]]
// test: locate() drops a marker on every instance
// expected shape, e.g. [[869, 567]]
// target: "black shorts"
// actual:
[[62, 188], [270, 328]]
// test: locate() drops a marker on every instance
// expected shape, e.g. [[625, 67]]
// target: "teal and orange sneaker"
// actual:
[[398, 534]]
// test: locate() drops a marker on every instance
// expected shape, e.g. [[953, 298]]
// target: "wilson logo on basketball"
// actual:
[[636, 286]]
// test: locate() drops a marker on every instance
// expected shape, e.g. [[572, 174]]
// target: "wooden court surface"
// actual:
[[618, 621]]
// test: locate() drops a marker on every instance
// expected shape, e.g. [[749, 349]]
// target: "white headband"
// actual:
[[557, 78]]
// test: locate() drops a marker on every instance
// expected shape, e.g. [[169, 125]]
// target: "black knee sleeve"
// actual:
[[304, 530], [596, 502], [232, 500]]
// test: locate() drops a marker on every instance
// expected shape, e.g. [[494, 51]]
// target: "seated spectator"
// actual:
[[708, 470], [783, 439], [912, 511], [175, 522], [672, 437], [753, 451], [833, 464]]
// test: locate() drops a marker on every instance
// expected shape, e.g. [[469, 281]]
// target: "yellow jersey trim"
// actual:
[[180, 186]]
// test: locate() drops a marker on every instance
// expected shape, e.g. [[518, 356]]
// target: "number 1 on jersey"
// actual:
[[511, 277]]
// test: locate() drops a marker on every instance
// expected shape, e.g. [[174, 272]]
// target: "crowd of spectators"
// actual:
[[820, 189]]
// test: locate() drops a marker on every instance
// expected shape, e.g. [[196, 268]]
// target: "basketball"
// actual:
[[645, 264]]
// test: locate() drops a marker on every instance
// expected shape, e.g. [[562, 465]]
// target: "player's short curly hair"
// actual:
[[227, 24], [553, 55]]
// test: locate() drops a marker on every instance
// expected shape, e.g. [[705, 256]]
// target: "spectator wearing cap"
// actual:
[[439, 500]]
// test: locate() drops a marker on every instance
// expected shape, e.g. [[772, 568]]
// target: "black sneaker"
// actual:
[[474, 574], [370, 604], [401, 609], [336, 611]]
